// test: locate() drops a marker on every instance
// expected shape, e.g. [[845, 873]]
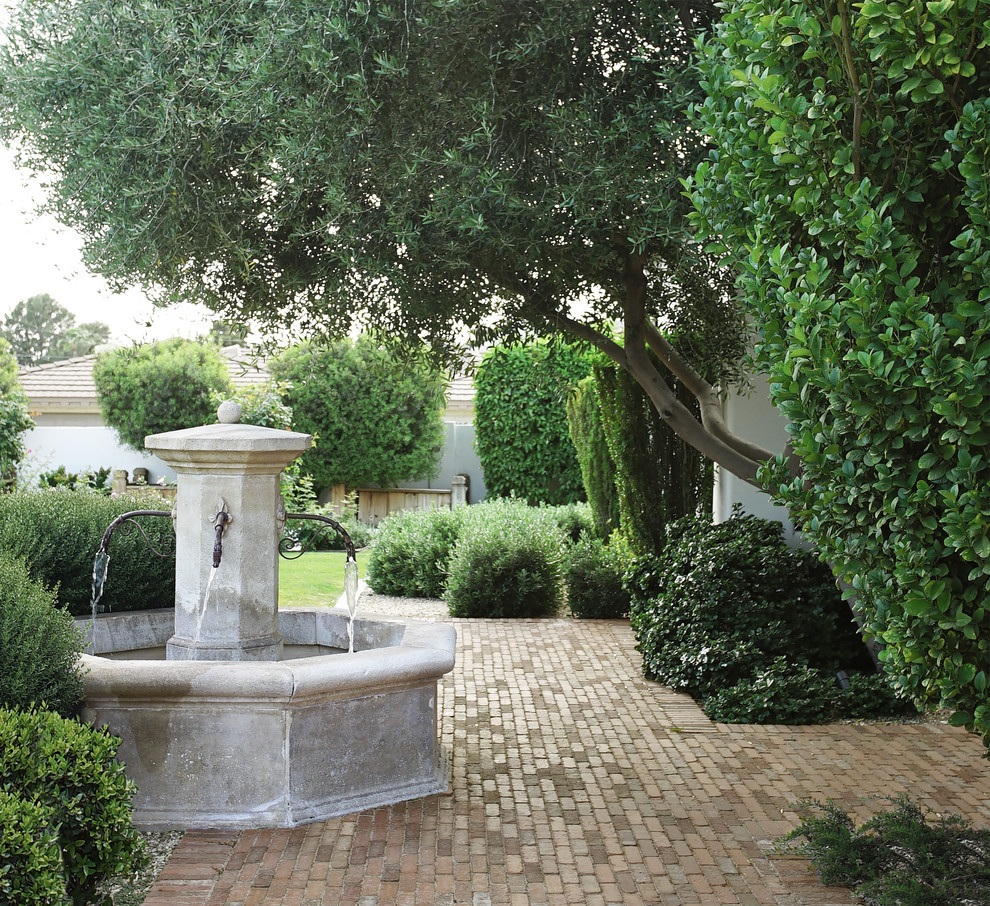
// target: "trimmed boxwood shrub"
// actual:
[[57, 532], [39, 644], [594, 574], [412, 551], [69, 770], [31, 868], [507, 562], [732, 604]]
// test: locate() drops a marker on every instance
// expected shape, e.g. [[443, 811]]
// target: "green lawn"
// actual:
[[316, 579]]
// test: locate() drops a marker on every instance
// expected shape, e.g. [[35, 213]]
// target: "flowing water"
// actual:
[[100, 566], [206, 598], [351, 589]]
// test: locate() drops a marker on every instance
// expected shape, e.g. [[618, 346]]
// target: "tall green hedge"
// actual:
[[521, 430], [584, 420], [658, 477]]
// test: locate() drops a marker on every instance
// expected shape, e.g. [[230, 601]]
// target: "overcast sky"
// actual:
[[37, 256]]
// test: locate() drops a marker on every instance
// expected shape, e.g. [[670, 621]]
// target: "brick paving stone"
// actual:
[[574, 780]]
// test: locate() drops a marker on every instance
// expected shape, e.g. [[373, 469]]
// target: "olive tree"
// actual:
[[436, 170], [851, 183]]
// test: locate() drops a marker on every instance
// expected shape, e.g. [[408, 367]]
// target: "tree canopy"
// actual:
[[375, 419], [851, 183], [39, 329], [15, 417], [156, 387], [491, 165]]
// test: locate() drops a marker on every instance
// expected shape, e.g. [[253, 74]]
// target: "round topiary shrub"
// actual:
[[594, 580], [39, 644], [411, 553], [69, 770], [58, 531], [31, 867], [507, 562]]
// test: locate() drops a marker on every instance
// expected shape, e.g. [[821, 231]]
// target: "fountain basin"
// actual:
[[239, 744]]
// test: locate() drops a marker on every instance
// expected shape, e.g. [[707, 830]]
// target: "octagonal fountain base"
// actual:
[[272, 744]]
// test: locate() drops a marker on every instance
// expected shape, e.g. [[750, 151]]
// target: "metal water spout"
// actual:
[[220, 523]]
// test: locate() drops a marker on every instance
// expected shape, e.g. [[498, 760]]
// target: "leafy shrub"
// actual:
[[722, 603], [594, 572], [899, 857], [507, 562], [31, 870], [789, 693], [39, 644], [69, 770], [156, 387], [57, 534], [521, 428], [376, 419], [573, 519], [412, 551]]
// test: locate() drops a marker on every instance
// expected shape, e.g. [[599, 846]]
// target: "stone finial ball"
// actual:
[[229, 413]]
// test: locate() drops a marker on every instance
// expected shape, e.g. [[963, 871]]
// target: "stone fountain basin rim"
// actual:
[[425, 653]]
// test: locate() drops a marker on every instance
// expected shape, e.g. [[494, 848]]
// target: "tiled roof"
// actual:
[[70, 381]]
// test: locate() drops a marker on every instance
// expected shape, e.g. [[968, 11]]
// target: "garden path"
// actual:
[[576, 781]]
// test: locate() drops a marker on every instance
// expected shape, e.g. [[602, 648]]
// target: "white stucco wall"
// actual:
[[80, 449], [753, 418]]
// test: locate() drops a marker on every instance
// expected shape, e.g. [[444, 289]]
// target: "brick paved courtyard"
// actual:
[[574, 780]]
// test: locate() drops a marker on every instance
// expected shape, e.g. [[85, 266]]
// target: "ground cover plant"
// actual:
[[754, 629], [904, 856]]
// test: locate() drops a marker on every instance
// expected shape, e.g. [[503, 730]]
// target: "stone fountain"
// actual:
[[256, 716]]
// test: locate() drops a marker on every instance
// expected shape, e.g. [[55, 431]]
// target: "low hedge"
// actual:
[[68, 771], [594, 574], [39, 644], [507, 562], [56, 532]]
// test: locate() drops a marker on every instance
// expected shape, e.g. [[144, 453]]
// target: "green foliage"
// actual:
[[98, 480], [520, 423], [658, 477], [39, 644], [57, 533], [900, 857], [68, 769], [584, 422], [850, 184], [158, 387], [593, 574], [376, 419], [721, 603], [15, 418], [412, 552], [787, 693], [33, 327], [507, 562], [31, 870]]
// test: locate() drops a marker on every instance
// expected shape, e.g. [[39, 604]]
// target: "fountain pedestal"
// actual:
[[229, 613]]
